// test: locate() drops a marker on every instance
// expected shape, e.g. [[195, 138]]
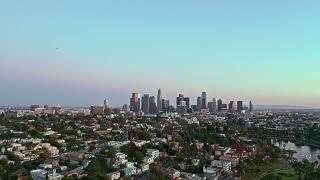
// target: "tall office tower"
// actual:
[[105, 102], [204, 100], [171, 108], [182, 98], [220, 105], [199, 103], [33, 107], [146, 103], [250, 106], [131, 104], [46, 106], [179, 99], [239, 106], [182, 108], [159, 101], [194, 108], [214, 104], [232, 106], [210, 106], [187, 100], [165, 105], [125, 108], [105, 105], [152, 105], [135, 100]]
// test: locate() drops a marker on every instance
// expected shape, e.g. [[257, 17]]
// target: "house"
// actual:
[[148, 159], [173, 173], [45, 166], [199, 146], [114, 175], [232, 158], [221, 151], [211, 173], [121, 157], [130, 164], [153, 153], [144, 167], [52, 150], [129, 171]]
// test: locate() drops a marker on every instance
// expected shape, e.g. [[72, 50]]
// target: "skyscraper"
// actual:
[[250, 106], [134, 102], [146, 104], [33, 107], [204, 100], [182, 98], [199, 103], [210, 107], [232, 106], [214, 104], [165, 105], [179, 99], [159, 101], [239, 106], [152, 105], [182, 108], [105, 105], [220, 105]]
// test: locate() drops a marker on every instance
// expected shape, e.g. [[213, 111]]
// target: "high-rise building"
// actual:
[[165, 105], [182, 98], [187, 100], [105, 105], [194, 108], [135, 102], [46, 106], [152, 105], [220, 103], [239, 106], [125, 108], [224, 108], [210, 107], [182, 108], [204, 100], [179, 99], [214, 104], [159, 101], [146, 103], [33, 107], [232, 106], [199, 103], [250, 106]]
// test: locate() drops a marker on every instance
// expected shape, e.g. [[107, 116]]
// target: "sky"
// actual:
[[80, 52]]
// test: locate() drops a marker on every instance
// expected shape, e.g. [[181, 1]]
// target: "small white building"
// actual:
[[40, 174], [148, 159], [225, 165], [114, 175], [153, 153]]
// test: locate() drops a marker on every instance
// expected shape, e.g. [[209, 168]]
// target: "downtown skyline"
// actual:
[[77, 53]]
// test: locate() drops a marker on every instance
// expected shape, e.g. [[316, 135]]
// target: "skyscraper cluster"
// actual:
[[157, 104], [149, 104]]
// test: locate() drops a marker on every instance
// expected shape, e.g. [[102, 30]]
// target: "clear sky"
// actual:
[[78, 52]]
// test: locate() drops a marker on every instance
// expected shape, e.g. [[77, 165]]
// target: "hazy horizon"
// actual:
[[79, 53]]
